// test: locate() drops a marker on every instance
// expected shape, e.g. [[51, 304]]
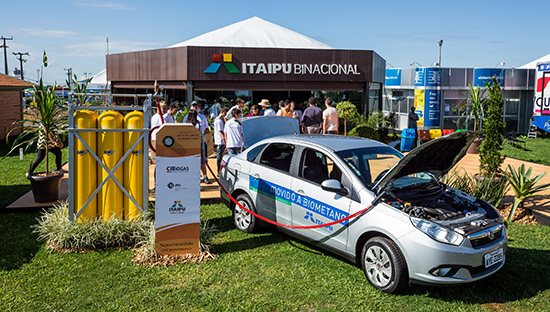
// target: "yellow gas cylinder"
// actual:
[[85, 165], [133, 165], [110, 150]]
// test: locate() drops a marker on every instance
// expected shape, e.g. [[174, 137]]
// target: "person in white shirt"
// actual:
[[203, 127], [219, 139], [169, 116], [268, 111], [330, 118], [156, 122], [239, 106], [233, 132]]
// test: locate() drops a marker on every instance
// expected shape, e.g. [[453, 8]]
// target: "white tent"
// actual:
[[254, 33], [99, 82], [533, 64]]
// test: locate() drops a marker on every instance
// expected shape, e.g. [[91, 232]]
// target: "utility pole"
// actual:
[[86, 74], [69, 75], [19, 56], [5, 53], [440, 42]]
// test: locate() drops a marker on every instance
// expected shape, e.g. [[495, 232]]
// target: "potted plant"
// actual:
[[476, 112], [490, 158], [43, 122]]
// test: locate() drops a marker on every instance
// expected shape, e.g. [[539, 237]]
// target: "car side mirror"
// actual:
[[333, 185]]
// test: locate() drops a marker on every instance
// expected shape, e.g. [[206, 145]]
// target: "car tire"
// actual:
[[384, 265], [244, 221]]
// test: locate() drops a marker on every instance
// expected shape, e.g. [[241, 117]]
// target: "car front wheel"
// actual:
[[384, 265], [243, 220]]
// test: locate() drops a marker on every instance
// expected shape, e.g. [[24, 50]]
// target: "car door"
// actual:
[[270, 181], [314, 205]]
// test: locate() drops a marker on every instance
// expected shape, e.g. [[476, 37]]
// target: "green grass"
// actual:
[[13, 182], [536, 150], [254, 272]]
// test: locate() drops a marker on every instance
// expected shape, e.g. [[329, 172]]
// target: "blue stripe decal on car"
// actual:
[[288, 197]]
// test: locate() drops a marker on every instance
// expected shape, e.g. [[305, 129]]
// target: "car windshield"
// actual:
[[370, 164]]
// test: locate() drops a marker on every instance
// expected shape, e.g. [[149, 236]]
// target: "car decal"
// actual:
[[288, 197]]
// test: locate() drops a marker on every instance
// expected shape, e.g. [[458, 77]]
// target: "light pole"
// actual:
[[440, 43], [500, 64], [414, 62]]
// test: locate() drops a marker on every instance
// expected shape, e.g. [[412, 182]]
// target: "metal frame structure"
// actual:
[[75, 133]]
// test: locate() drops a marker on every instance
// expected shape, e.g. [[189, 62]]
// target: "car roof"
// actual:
[[335, 143]]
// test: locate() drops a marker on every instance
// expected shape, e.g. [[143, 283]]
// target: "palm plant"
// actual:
[[477, 109], [79, 88], [49, 116], [523, 186]]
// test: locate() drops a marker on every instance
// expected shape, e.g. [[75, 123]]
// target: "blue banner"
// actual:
[[288, 197], [432, 108], [419, 77], [540, 67], [483, 75], [393, 77]]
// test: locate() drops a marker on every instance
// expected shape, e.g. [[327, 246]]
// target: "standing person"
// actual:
[[254, 111], [297, 112], [330, 118], [413, 119], [156, 122], [195, 107], [268, 111], [312, 118], [215, 109], [219, 135], [169, 116], [54, 146], [287, 110], [239, 106], [234, 134]]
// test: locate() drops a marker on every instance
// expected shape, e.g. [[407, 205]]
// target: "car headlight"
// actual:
[[437, 232]]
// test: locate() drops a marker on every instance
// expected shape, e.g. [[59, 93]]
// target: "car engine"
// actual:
[[446, 206]]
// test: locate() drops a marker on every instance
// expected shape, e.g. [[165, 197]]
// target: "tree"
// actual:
[[490, 158], [347, 111]]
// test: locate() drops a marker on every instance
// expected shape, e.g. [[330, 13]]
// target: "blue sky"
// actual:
[[474, 33]]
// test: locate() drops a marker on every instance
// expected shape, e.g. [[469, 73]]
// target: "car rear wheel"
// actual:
[[384, 265], [243, 220]]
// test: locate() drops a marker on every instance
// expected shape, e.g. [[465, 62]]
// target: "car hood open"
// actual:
[[436, 157], [258, 128]]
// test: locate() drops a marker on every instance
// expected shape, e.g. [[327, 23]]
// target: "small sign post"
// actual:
[[177, 212]]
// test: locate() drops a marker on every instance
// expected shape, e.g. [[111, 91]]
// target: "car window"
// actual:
[[278, 156], [370, 164], [317, 167], [253, 153]]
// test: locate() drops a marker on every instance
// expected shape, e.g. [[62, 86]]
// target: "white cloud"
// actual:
[[100, 4], [47, 32]]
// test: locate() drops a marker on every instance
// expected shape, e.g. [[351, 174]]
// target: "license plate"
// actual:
[[493, 257]]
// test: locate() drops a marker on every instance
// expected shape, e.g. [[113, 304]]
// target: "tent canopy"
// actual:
[[533, 64], [254, 33]]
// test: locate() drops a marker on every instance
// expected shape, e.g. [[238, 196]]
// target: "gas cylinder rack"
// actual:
[[76, 135]]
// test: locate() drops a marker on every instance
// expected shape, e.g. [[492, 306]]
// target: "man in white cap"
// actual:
[[268, 111]]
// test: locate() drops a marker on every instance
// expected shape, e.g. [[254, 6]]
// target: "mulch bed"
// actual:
[[143, 256], [523, 215]]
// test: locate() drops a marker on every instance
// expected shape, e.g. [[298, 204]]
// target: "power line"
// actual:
[[19, 56], [5, 54]]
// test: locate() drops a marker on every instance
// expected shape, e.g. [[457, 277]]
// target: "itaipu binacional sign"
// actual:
[[177, 208]]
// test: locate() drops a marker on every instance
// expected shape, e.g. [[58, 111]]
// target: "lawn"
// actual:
[[12, 173], [536, 150], [254, 272]]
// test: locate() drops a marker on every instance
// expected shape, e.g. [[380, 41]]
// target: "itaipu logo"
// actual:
[[222, 58], [176, 207]]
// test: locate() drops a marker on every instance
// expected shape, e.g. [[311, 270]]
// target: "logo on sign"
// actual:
[[309, 216], [222, 58], [540, 83], [177, 207], [176, 169], [171, 185]]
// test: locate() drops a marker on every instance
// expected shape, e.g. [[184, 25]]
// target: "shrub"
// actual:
[[364, 131], [346, 111], [486, 189], [523, 186], [493, 132]]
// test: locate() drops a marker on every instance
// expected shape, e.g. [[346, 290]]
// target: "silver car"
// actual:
[[418, 230]]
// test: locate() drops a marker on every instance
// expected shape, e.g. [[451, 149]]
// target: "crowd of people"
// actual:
[[227, 129]]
